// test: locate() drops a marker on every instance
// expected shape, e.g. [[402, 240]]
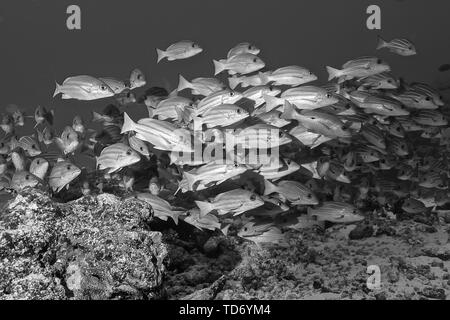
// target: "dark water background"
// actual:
[[117, 36]]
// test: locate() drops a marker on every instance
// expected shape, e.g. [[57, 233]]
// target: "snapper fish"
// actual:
[[69, 141], [259, 79], [85, 88], [22, 180], [358, 68], [30, 146], [262, 233], [243, 63], [116, 157], [403, 47], [294, 192], [161, 208], [181, 50], [233, 202], [39, 167], [243, 47], [336, 212], [291, 76], [62, 174], [206, 222], [217, 98], [117, 86], [200, 86]]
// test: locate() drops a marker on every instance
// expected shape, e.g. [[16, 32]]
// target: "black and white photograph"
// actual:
[[224, 155]]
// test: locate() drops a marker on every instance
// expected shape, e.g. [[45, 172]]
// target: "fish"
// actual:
[[223, 115], [429, 91], [293, 76], [382, 106], [413, 206], [116, 157], [243, 63], [41, 115], [22, 180], [178, 108], [336, 212], [108, 116], [84, 88], [261, 233], [374, 135], [201, 86], [403, 47], [288, 167], [381, 81], [217, 98], [415, 99], [318, 122], [273, 118], [243, 47], [162, 135], [125, 98], [358, 68], [259, 79], [39, 168], [430, 118], [62, 174], [137, 79], [30, 146], [19, 160], [256, 94], [161, 208], [181, 50], [303, 98], [138, 145], [259, 136], [234, 202], [206, 222], [211, 174], [293, 191]]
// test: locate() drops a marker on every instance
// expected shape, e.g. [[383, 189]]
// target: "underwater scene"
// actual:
[[296, 152]]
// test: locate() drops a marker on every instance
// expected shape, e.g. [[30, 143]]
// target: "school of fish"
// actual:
[[302, 154]]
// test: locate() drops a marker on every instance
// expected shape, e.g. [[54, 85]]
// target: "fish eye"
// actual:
[[103, 88], [69, 167], [188, 214], [238, 111], [254, 60], [253, 197], [427, 98], [343, 127], [379, 61], [232, 94], [389, 81], [139, 77], [328, 95], [38, 162], [193, 45], [288, 162], [129, 152], [250, 48], [246, 229], [309, 196]]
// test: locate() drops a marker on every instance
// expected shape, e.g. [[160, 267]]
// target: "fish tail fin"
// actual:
[[265, 79], [271, 102], [333, 73], [161, 55], [381, 43], [190, 178], [218, 67], [233, 82], [176, 216], [205, 207], [224, 230], [269, 187], [183, 83], [57, 89], [128, 124], [288, 112]]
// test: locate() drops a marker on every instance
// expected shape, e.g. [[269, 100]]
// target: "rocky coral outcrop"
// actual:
[[97, 247]]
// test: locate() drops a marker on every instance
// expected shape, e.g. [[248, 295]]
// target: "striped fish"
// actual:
[[398, 146], [429, 92], [117, 86], [259, 79], [358, 68], [262, 233], [213, 100], [373, 135], [415, 99], [180, 50], [293, 191], [243, 63], [116, 157], [62, 174], [233, 202], [83, 88], [382, 106], [336, 212], [161, 134], [262, 136], [23, 179], [430, 118], [403, 47], [176, 108], [201, 86], [243, 47], [256, 94], [161, 208], [30, 146], [138, 145], [383, 80], [291, 76], [305, 98]]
